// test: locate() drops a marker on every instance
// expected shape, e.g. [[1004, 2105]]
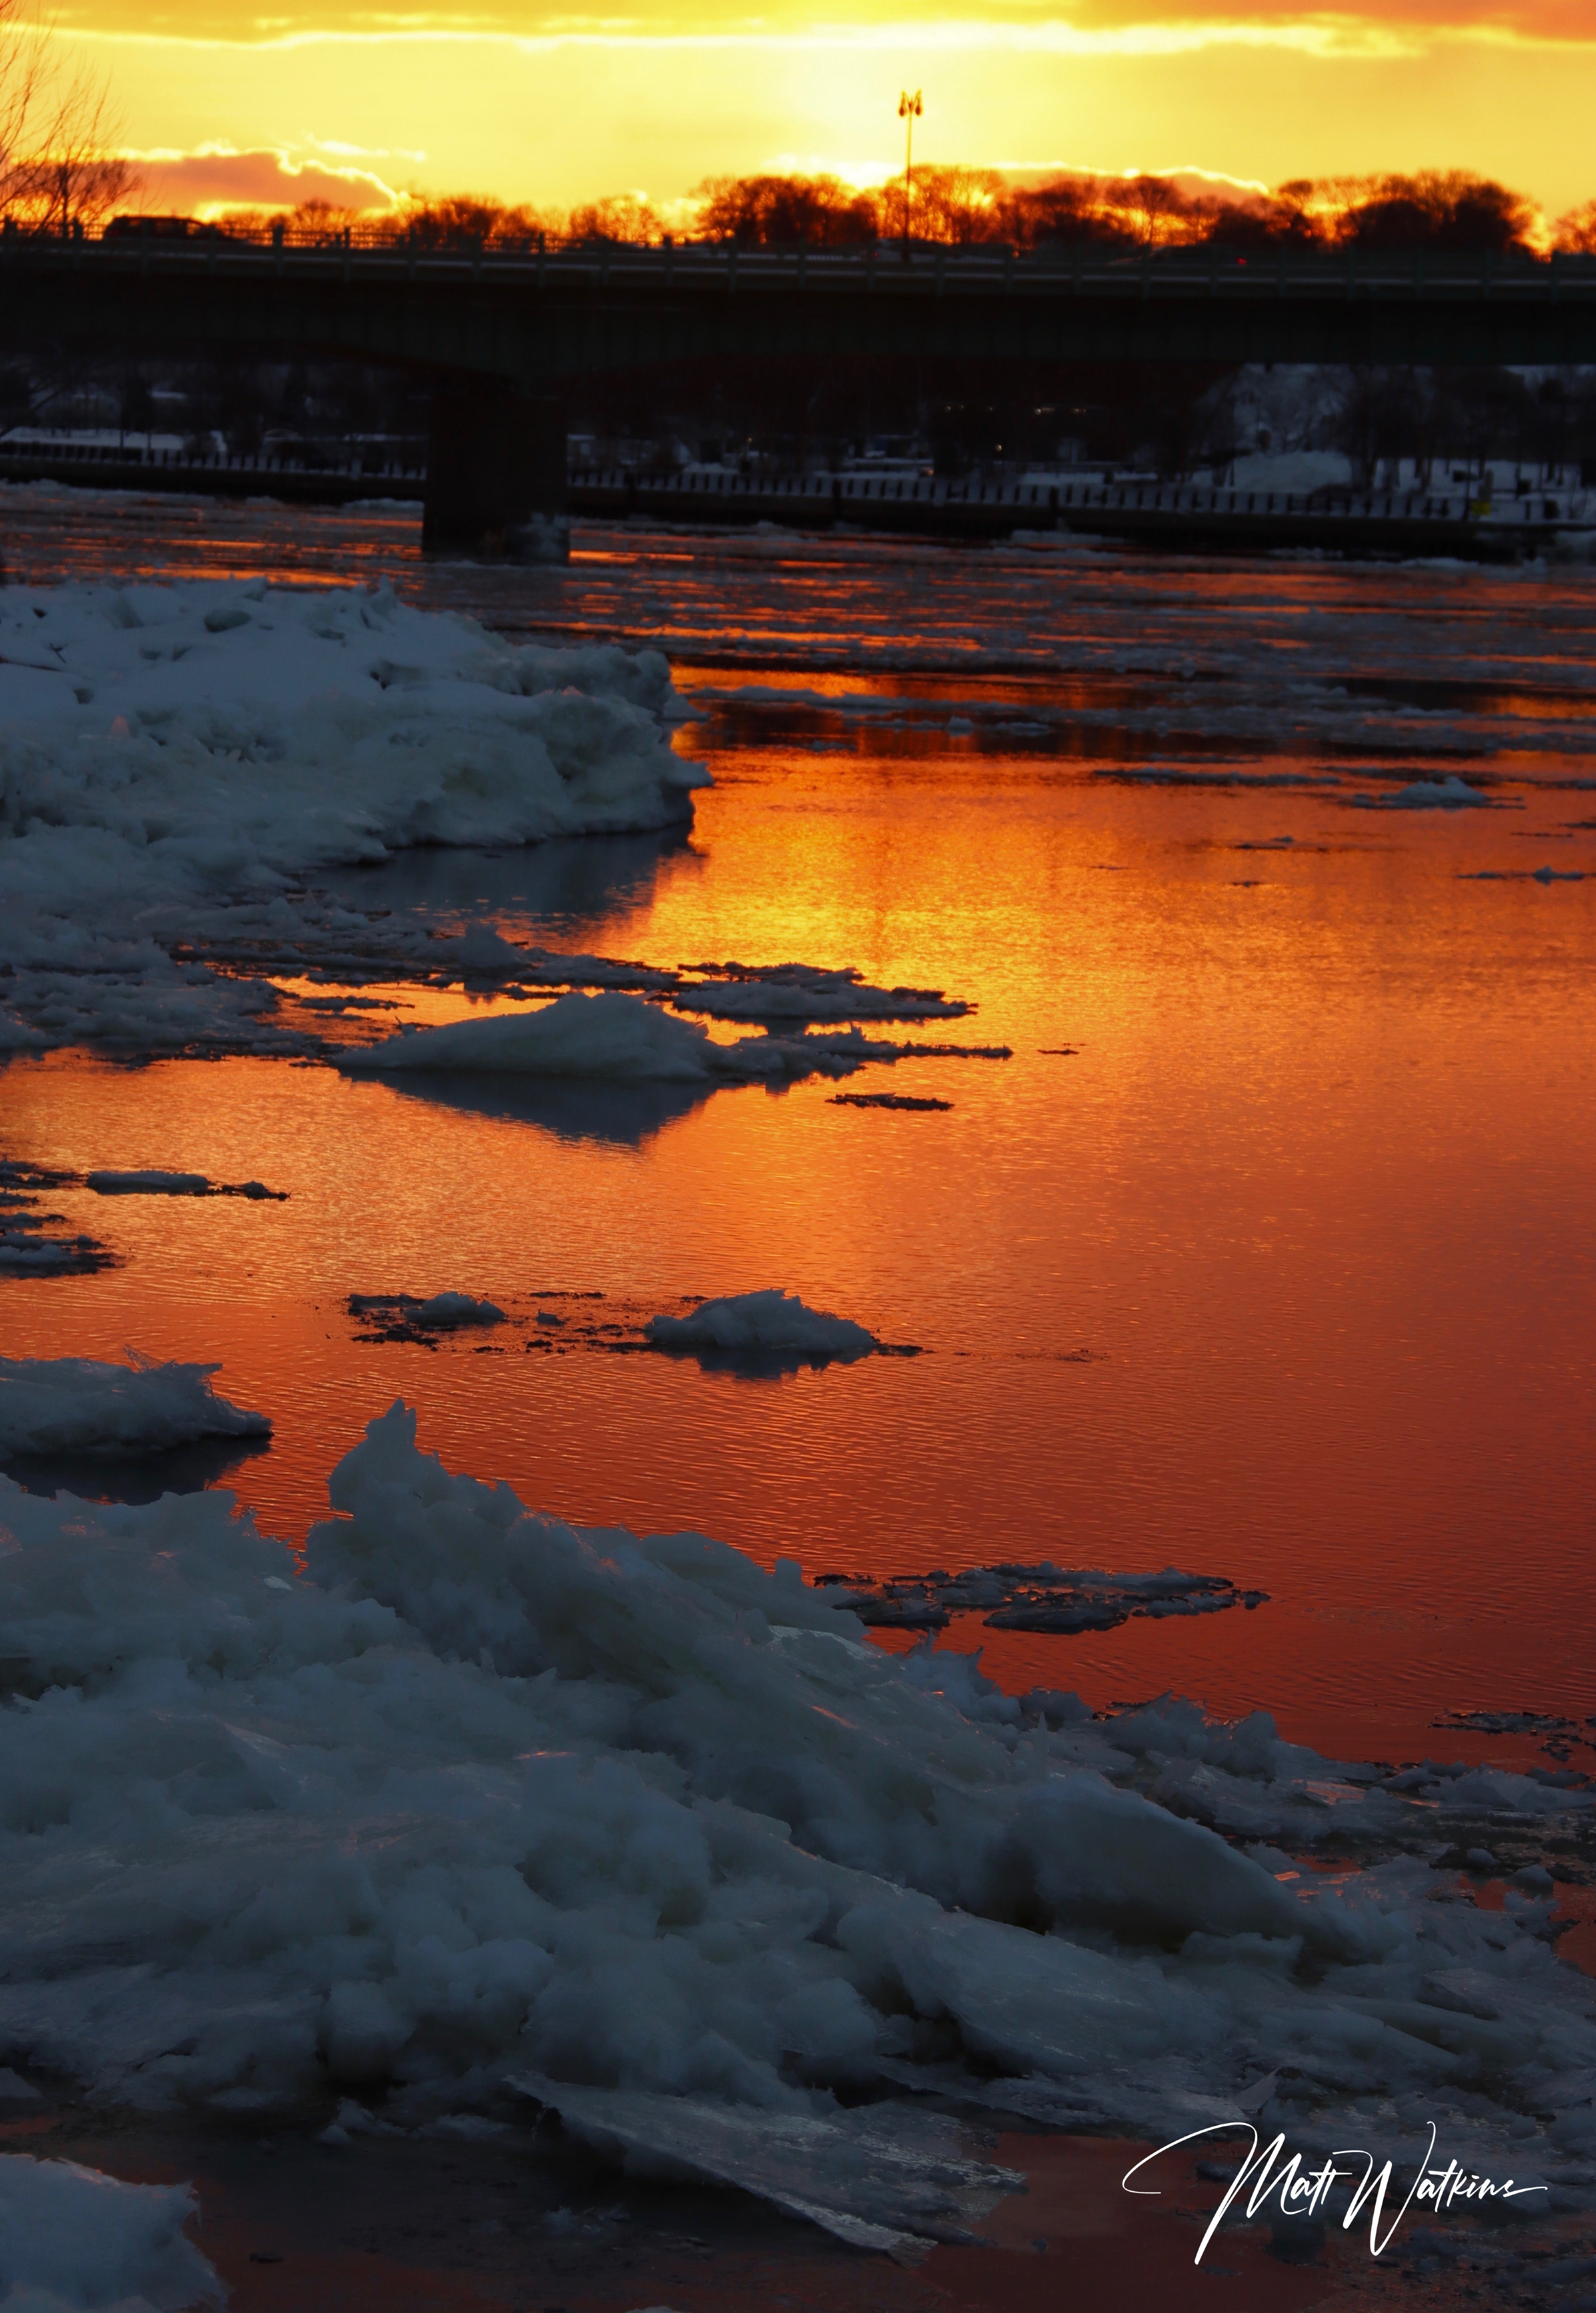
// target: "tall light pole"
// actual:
[[909, 108]]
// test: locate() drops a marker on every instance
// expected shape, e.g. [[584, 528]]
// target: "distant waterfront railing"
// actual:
[[863, 493], [1457, 517], [55, 454]]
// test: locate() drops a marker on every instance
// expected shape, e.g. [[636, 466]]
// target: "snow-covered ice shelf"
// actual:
[[471, 1805], [174, 759]]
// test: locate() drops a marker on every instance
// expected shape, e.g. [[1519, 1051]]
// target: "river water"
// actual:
[[1268, 1253]]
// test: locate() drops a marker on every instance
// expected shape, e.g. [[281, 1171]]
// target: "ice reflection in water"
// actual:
[[1313, 1185]]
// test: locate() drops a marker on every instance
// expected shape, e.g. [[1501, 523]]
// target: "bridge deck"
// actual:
[[535, 315]]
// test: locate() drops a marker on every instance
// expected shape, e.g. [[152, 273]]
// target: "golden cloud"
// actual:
[[216, 176]]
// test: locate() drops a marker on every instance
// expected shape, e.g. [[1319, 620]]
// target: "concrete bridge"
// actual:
[[500, 330]]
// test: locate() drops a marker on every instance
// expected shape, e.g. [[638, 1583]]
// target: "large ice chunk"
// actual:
[[73, 2240], [78, 1405], [878, 2178]]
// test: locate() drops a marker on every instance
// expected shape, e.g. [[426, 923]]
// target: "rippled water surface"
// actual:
[[1269, 1253]]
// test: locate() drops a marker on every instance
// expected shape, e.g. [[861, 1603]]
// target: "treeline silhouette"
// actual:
[[1444, 210]]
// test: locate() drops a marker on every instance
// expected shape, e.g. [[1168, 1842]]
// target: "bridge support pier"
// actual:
[[495, 472]]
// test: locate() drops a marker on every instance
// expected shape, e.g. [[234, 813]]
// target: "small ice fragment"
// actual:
[[1449, 794], [749, 1323], [447, 1311], [150, 1185], [884, 1100]]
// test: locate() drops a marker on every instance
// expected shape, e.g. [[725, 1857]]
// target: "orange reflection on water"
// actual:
[[1313, 1190]]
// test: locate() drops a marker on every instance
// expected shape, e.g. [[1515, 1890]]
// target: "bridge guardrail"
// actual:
[[881, 269]]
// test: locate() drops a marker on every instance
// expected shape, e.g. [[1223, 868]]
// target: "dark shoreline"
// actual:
[[1168, 517]]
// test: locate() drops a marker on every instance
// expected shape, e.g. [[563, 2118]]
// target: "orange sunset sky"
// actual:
[[330, 100]]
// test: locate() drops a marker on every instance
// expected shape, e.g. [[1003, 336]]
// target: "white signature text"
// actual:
[[1301, 2192]]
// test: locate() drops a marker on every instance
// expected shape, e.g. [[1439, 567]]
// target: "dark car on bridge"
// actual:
[[162, 228]]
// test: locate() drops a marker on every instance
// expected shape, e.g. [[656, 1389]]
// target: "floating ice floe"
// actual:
[[1178, 775], [774, 995], [405, 1314], [77, 1405], [770, 1324], [73, 2240], [30, 1243], [25, 1248], [25, 1253], [1449, 794], [471, 1806], [802, 991], [173, 758], [149, 1184], [884, 1100], [1045, 1598], [180, 1184], [625, 1037], [483, 953]]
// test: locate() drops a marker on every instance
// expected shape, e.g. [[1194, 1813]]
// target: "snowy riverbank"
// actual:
[[175, 760], [475, 1805]]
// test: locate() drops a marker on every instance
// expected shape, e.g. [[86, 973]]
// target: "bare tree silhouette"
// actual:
[[58, 172]]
